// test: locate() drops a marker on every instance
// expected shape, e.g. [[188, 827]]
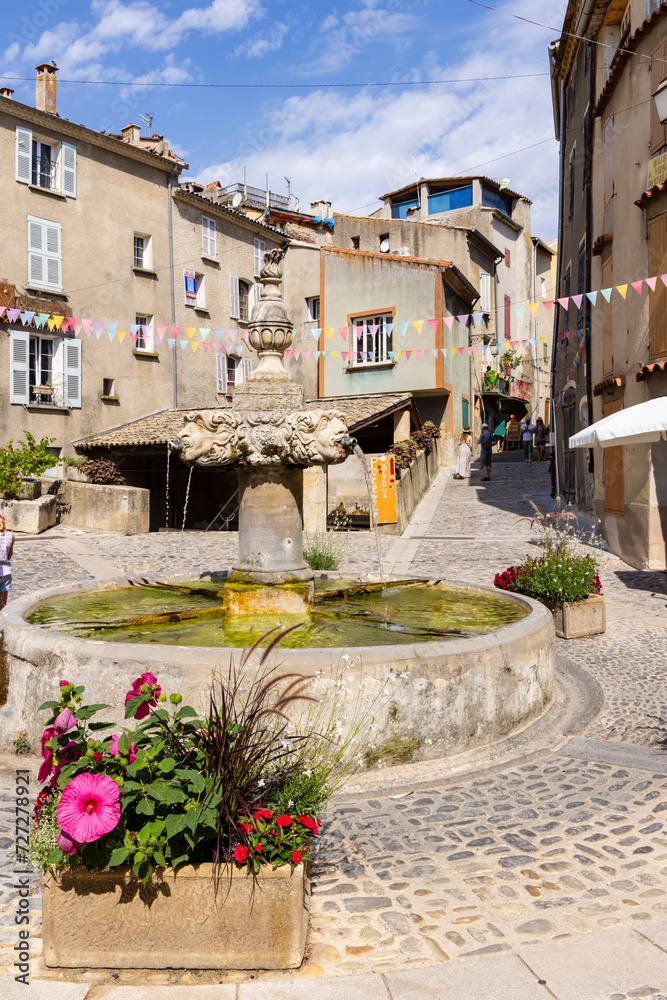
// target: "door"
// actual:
[[613, 468]]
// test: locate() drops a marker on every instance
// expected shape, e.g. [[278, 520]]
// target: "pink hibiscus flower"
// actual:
[[64, 722], [89, 807], [66, 844], [135, 692], [47, 756], [113, 749]]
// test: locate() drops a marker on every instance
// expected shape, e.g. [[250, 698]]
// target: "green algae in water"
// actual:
[[397, 615]]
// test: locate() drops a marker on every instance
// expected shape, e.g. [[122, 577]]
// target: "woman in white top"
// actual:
[[6, 552]]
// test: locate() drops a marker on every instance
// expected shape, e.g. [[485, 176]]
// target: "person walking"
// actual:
[[540, 438], [464, 457], [6, 552], [527, 439], [486, 441]]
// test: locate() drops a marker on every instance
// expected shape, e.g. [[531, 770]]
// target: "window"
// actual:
[[355, 242], [400, 211], [195, 289], [608, 159], [465, 412], [543, 287], [614, 486], [657, 255], [581, 278], [260, 250], [208, 246], [144, 334], [658, 73], [383, 240], [313, 307], [508, 318], [508, 258], [44, 259], [231, 371], [108, 388], [49, 364], [447, 200], [143, 252], [44, 163], [494, 199], [244, 297], [372, 339], [573, 164], [485, 292]]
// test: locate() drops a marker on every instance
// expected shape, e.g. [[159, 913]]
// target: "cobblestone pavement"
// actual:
[[548, 848]]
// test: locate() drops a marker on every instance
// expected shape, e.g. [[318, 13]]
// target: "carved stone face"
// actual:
[[209, 439], [328, 434]]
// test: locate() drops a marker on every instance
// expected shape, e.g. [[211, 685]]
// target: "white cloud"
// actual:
[[353, 146], [256, 48], [341, 39]]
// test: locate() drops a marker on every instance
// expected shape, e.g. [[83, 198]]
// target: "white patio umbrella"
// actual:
[[644, 422]]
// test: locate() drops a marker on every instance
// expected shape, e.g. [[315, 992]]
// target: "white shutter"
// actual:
[[72, 350], [247, 368], [68, 168], [258, 290], [23, 155], [485, 292], [234, 306], [44, 258], [260, 250], [19, 390], [221, 371], [208, 239]]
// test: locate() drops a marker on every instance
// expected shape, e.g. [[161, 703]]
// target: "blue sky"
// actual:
[[345, 144]]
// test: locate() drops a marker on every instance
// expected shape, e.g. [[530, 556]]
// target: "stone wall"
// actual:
[[123, 509]]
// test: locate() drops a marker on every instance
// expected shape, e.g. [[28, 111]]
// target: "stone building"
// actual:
[[613, 233], [101, 228]]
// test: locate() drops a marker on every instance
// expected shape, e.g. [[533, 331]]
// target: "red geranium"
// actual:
[[283, 820], [263, 814], [310, 823], [258, 848], [240, 854], [296, 857]]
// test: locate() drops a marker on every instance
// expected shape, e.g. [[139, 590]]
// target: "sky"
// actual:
[[357, 112]]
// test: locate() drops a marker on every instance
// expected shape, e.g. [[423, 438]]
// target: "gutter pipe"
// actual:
[[173, 293]]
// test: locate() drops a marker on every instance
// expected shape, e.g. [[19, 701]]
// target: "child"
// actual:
[[6, 552]]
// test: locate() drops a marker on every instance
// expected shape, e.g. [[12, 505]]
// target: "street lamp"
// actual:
[[660, 98]]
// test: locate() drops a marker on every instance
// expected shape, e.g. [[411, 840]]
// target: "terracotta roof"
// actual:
[[622, 57], [185, 195], [608, 383], [655, 366], [155, 429], [453, 181], [389, 256], [651, 193]]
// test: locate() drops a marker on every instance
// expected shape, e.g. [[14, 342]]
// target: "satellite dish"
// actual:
[[384, 246], [237, 199]]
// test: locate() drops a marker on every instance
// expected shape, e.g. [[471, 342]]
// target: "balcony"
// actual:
[[498, 387], [257, 196], [45, 173]]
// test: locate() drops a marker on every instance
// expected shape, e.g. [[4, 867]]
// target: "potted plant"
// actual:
[[564, 577], [184, 840], [20, 467], [73, 470]]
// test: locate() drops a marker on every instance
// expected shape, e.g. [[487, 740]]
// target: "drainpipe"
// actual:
[[559, 269], [173, 293], [589, 246], [537, 342]]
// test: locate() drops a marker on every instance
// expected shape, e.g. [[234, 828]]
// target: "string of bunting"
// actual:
[[573, 367]]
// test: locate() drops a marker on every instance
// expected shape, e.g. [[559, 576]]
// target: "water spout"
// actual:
[[185, 506], [373, 513]]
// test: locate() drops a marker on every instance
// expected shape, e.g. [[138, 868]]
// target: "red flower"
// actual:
[[310, 823], [258, 848], [64, 684], [97, 757], [135, 692], [47, 756], [263, 814], [240, 854], [296, 857], [246, 827], [283, 820]]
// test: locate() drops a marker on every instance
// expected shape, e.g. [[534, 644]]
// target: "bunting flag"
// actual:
[[287, 352], [219, 332], [651, 283], [228, 348], [578, 299], [239, 349], [296, 353], [418, 324], [592, 297], [171, 343], [26, 318], [433, 323], [205, 347], [183, 343], [477, 317], [520, 311], [329, 330], [548, 305], [449, 320], [232, 334], [606, 293], [637, 285], [622, 290], [216, 347], [463, 319], [175, 330], [403, 327], [564, 303], [246, 337], [195, 345], [121, 335], [534, 306], [190, 331], [343, 331], [203, 333]]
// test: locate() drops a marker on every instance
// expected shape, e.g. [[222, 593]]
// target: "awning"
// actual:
[[656, 366], [644, 422], [614, 381]]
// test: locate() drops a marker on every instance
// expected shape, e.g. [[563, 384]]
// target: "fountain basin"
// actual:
[[457, 694]]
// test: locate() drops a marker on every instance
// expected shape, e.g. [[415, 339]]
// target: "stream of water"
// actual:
[[185, 505], [374, 520]]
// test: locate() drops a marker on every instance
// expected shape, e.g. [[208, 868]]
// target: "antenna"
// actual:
[[148, 119], [414, 168], [289, 191], [237, 199]]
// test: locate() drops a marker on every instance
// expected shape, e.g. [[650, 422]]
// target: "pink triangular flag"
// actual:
[[232, 334], [296, 352], [637, 285], [216, 348], [408, 353], [306, 354], [565, 303], [463, 319], [343, 331], [228, 348], [343, 354], [245, 336], [85, 323], [651, 283], [205, 347], [548, 305], [662, 276], [449, 320], [175, 330], [434, 324], [469, 350], [461, 350], [418, 353], [13, 315], [578, 299], [287, 352], [161, 331]]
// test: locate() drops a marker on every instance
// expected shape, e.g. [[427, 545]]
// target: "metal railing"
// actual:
[[257, 196], [45, 172]]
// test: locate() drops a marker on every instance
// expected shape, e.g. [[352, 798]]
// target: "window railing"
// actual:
[[45, 173]]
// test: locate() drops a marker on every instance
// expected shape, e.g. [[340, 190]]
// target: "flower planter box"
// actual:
[[75, 475], [583, 618], [108, 920]]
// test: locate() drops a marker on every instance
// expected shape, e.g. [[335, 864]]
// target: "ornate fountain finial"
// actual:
[[270, 323]]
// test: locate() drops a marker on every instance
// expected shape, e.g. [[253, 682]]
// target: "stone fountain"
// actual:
[[269, 438]]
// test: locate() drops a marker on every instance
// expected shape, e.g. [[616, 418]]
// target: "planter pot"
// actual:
[[75, 475], [583, 618], [31, 489], [108, 920]]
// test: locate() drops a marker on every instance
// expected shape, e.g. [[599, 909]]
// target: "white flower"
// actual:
[[428, 742], [307, 774], [290, 803], [261, 782]]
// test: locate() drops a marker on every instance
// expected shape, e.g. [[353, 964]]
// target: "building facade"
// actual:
[[613, 242]]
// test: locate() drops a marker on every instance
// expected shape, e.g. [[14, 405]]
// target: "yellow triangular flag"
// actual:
[[50, 323], [398, 354], [534, 306], [623, 289], [58, 320], [452, 351], [121, 334], [418, 324], [195, 345], [506, 345], [190, 331], [334, 354], [329, 331]]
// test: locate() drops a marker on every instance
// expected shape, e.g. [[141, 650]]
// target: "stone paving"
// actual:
[[548, 848]]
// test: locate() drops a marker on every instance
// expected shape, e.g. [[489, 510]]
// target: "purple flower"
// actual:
[[66, 844], [64, 722]]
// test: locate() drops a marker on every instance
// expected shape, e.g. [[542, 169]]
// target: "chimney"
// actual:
[[6, 92], [322, 208], [45, 88], [131, 133]]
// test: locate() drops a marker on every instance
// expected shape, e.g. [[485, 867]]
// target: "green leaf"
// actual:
[[124, 744], [101, 725], [179, 860], [55, 856], [175, 822], [168, 794], [47, 704], [186, 712], [199, 781], [120, 855], [145, 807], [88, 710], [159, 857], [191, 817], [167, 765], [132, 706]]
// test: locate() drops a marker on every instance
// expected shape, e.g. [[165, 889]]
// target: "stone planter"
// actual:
[[583, 618], [31, 489], [75, 475], [108, 920]]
